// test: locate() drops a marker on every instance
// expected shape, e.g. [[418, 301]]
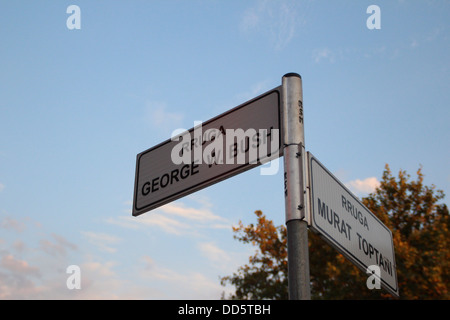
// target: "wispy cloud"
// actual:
[[158, 115], [100, 269], [19, 246], [414, 43], [10, 263], [12, 224], [17, 278], [176, 218], [323, 54], [246, 94], [187, 284], [102, 241], [425, 37], [277, 20], [162, 222], [59, 245], [2, 186], [213, 252], [180, 210], [34, 267], [254, 90], [361, 187]]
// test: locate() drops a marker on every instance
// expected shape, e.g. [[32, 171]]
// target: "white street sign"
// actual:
[[341, 219], [236, 141]]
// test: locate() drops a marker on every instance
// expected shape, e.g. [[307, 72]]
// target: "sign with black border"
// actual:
[[348, 226], [159, 181]]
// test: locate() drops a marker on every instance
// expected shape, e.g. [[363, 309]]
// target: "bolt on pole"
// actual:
[[295, 187]]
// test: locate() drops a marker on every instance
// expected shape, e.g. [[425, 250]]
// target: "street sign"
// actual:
[[235, 141], [341, 219]]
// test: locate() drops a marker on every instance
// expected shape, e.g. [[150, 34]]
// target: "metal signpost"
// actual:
[[294, 188], [225, 146], [341, 219]]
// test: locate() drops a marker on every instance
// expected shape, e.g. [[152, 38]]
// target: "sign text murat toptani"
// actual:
[[341, 219]]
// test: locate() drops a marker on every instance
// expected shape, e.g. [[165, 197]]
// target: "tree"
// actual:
[[420, 227], [266, 276]]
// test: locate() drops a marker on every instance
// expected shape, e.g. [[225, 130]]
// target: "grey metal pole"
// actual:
[[295, 187]]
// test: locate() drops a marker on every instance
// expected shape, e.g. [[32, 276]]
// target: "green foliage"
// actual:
[[420, 227]]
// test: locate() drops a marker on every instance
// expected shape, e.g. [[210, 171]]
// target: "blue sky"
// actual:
[[76, 106]]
